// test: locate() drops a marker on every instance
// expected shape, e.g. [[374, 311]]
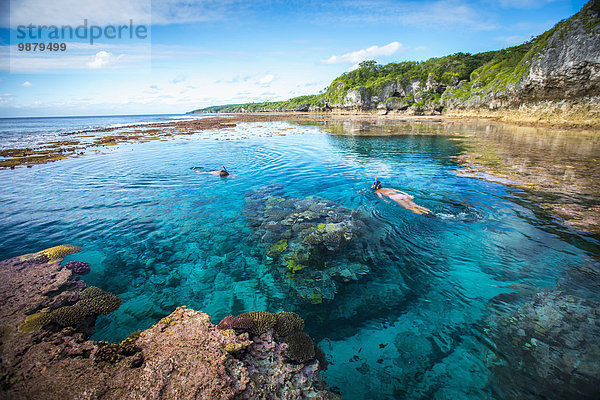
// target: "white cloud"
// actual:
[[6, 98], [101, 59], [26, 84], [421, 48], [178, 79], [365, 54], [236, 79], [354, 67], [512, 40], [266, 80]]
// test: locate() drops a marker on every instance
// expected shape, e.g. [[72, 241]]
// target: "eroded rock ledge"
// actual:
[[47, 315]]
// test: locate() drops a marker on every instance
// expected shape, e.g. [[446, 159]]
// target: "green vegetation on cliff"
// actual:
[[301, 103]]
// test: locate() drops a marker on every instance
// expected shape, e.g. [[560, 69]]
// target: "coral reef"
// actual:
[[106, 352], [69, 315], [262, 321], [240, 323], [287, 323], [285, 326], [552, 340], [312, 244], [104, 304], [78, 267], [300, 347], [94, 301], [59, 252], [183, 356], [35, 322], [91, 292]]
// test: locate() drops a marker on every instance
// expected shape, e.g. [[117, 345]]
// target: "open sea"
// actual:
[[492, 298]]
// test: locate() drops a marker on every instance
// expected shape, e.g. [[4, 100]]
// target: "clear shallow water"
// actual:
[[428, 320]]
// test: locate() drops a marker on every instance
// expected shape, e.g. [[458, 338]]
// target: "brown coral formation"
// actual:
[[300, 347], [262, 321], [183, 356], [287, 323]]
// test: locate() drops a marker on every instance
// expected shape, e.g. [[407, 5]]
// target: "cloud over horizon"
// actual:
[[365, 54]]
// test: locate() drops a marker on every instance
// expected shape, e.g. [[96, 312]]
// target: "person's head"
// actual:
[[376, 185], [223, 173]]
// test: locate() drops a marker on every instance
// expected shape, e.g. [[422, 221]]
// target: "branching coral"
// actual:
[[91, 291], [128, 347], [78, 267], [107, 352], [101, 304], [97, 301], [69, 315], [94, 301]]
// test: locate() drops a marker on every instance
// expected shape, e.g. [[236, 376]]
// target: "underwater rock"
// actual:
[[553, 342], [183, 356], [312, 244]]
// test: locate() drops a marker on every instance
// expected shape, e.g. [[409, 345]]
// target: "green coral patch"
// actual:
[[34, 322]]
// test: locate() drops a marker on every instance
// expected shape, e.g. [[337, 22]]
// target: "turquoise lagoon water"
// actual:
[[418, 324]]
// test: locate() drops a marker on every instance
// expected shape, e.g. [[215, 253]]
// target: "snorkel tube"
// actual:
[[223, 172], [376, 185]]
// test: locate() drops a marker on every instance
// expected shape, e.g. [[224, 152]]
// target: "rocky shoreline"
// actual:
[[48, 314]]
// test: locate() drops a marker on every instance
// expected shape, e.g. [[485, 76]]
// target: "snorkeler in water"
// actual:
[[401, 198], [222, 173]]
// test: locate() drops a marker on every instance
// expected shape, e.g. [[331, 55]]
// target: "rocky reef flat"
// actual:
[[48, 314]]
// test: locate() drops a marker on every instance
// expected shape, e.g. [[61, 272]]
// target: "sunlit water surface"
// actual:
[[425, 322]]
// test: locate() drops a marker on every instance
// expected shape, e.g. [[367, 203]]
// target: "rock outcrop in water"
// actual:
[[312, 244], [183, 356]]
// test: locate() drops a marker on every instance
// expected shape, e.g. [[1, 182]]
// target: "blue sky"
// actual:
[[200, 53]]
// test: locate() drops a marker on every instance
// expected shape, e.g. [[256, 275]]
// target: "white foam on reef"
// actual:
[[247, 130], [461, 216]]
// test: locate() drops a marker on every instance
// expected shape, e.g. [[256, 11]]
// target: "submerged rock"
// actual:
[[183, 356], [312, 244]]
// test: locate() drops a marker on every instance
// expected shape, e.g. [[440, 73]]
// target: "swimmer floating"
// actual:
[[401, 198]]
